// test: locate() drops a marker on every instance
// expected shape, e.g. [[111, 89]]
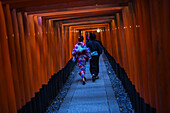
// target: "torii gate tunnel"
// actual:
[[37, 38]]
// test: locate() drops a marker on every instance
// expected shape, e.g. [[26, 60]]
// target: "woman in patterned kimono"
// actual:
[[81, 53]]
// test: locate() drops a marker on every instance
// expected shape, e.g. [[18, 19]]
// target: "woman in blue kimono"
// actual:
[[81, 53]]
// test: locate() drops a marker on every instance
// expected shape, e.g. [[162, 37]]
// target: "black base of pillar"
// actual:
[[138, 103], [47, 93]]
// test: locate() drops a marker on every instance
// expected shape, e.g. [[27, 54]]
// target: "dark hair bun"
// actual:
[[92, 36], [81, 39]]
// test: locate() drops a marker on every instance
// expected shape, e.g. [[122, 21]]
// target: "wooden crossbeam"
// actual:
[[39, 5]]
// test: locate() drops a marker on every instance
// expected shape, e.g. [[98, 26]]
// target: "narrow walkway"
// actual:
[[97, 97]]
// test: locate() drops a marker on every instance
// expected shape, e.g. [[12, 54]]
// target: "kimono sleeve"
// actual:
[[88, 54], [99, 48], [74, 54]]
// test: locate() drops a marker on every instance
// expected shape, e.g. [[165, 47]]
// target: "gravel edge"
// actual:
[[124, 103], [55, 105]]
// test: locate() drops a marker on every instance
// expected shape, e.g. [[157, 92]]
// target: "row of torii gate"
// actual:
[[36, 47]]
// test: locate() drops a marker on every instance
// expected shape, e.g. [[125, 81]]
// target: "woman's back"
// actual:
[[80, 47], [81, 51]]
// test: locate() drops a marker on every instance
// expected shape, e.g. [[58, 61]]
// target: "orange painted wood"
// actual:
[[104, 38], [48, 51], [56, 54], [52, 4], [41, 49], [75, 36], [114, 41], [140, 29], [36, 74], [3, 92], [123, 43], [37, 42], [120, 51], [98, 36], [149, 52], [107, 40], [44, 43], [119, 39], [54, 48], [133, 45], [136, 54], [63, 45], [28, 53], [138, 57], [41, 42], [127, 32], [24, 58], [18, 56], [60, 46], [84, 36], [166, 46], [69, 57], [138, 69], [160, 45], [111, 39], [130, 40], [69, 41], [7, 64], [125, 39], [13, 61], [108, 37], [51, 46], [101, 34]]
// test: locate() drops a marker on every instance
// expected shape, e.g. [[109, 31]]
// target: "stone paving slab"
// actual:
[[89, 100], [93, 97], [89, 108]]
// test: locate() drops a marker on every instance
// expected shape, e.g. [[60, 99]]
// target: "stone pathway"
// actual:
[[94, 97]]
